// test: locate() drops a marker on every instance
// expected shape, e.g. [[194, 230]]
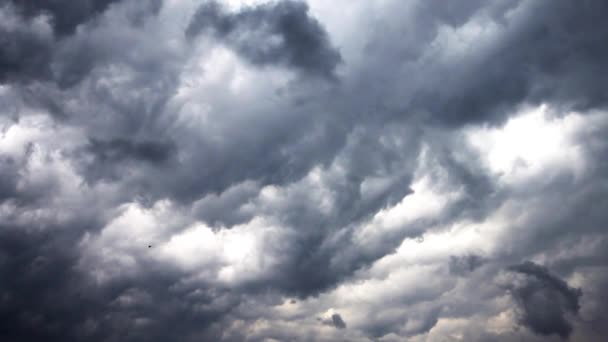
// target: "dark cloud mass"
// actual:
[[461, 265], [335, 321], [37, 37], [65, 15], [553, 56], [26, 52], [281, 170], [545, 300], [120, 149], [282, 32]]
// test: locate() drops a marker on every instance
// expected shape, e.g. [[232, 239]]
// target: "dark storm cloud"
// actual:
[[25, 52], [65, 15], [45, 295], [9, 176], [123, 149], [481, 193], [546, 300], [318, 259], [119, 85], [551, 51], [281, 32], [29, 53], [335, 321], [111, 159], [40, 292]]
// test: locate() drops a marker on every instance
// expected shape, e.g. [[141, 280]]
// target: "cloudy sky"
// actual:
[[348, 170]]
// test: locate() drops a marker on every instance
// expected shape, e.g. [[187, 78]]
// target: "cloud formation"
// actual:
[[303, 170], [545, 300], [275, 33]]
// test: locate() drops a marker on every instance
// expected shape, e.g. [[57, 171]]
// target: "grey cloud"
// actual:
[[549, 51], [26, 51], [335, 321], [65, 15], [228, 208], [542, 51], [481, 193], [394, 323], [9, 176], [545, 300], [281, 33], [461, 265], [121, 149], [228, 157], [111, 159], [48, 297], [320, 257], [30, 53]]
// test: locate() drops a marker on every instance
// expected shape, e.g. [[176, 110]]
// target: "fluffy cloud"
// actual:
[[545, 300], [303, 170], [278, 33]]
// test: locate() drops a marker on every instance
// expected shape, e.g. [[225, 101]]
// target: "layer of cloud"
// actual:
[[305, 171], [276, 33], [545, 300]]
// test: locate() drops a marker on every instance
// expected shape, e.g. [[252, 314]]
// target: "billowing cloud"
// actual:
[[65, 16], [40, 39], [545, 300], [303, 170], [276, 33], [336, 321]]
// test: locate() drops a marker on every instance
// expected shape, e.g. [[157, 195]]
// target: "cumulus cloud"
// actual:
[[303, 170], [336, 321], [38, 38], [275, 33], [545, 300]]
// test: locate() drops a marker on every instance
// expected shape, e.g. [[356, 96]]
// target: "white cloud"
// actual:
[[531, 144]]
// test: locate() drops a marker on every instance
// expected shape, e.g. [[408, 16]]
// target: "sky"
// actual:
[[348, 170]]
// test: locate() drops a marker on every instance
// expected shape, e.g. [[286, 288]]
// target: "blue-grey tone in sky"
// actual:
[[259, 170]]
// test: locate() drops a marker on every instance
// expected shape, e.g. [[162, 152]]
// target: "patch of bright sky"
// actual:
[[531, 143]]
